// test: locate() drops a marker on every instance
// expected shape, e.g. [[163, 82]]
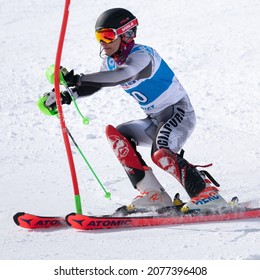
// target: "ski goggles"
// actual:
[[108, 35]]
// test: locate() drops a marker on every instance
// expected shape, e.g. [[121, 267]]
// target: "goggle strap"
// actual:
[[126, 27]]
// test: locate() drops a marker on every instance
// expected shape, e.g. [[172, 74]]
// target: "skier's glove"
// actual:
[[47, 103], [69, 77]]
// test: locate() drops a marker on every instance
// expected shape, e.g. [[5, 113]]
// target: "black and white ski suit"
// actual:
[[147, 78]]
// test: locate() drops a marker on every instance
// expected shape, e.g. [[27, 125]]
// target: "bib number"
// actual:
[[141, 98]]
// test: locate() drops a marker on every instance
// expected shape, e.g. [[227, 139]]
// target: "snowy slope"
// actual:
[[213, 46]]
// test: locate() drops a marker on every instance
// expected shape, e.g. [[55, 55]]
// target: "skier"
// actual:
[[170, 120]]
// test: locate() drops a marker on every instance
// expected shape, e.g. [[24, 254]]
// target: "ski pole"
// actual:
[[107, 194], [50, 77], [84, 119], [59, 107]]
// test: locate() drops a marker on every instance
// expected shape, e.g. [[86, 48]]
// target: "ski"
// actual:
[[31, 221], [122, 218], [85, 222]]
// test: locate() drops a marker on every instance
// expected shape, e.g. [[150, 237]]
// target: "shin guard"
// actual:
[[173, 163], [126, 154]]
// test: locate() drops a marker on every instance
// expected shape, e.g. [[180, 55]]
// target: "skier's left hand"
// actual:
[[69, 77]]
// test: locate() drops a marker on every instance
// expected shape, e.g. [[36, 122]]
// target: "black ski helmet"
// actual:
[[120, 19]]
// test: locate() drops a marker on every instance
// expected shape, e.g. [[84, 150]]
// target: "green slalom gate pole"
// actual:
[[59, 107]]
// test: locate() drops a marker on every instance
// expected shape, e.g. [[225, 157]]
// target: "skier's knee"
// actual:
[[124, 132]]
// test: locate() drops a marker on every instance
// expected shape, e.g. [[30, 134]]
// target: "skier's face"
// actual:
[[111, 48]]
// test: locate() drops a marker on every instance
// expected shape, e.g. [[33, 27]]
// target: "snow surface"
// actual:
[[213, 47]]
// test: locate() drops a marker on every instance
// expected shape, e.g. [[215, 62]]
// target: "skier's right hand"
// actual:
[[47, 103]]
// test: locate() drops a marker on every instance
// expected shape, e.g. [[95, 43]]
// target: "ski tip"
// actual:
[[17, 216], [31, 221], [67, 218]]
